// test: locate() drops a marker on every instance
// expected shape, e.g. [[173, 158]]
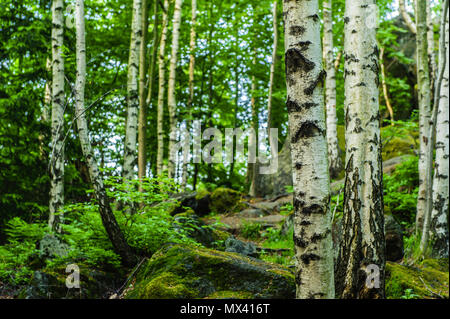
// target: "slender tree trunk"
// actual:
[[272, 66], [439, 216], [46, 110], [171, 101], [312, 220], [162, 82], [430, 40], [385, 89], [334, 158], [337, 61], [151, 70], [362, 251], [435, 218], [191, 83], [251, 167], [57, 154], [408, 21], [109, 221], [424, 91], [130, 156], [142, 156]]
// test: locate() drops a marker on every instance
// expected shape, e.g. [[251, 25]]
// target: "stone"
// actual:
[[237, 246], [178, 271]]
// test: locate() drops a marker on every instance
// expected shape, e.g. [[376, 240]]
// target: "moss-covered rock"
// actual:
[[178, 271], [427, 280], [225, 200], [197, 201], [397, 147], [50, 283]]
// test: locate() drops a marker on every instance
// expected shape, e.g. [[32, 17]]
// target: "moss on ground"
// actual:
[[426, 280]]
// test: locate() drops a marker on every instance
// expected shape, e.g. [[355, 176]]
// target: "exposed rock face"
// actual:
[[188, 272], [234, 245], [394, 239], [272, 185]]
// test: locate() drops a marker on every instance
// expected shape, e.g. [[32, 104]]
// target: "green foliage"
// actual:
[[83, 232], [409, 294], [400, 191], [251, 230]]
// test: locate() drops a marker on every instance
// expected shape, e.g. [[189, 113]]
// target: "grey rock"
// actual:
[[237, 246]]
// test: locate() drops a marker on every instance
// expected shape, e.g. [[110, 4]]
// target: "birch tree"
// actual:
[[57, 154], [362, 249], [161, 84], [142, 125], [191, 81], [406, 17], [109, 222], [314, 274], [334, 159], [435, 224], [272, 65], [171, 100], [130, 156], [439, 216], [424, 92]]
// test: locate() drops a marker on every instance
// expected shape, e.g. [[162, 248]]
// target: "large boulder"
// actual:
[[197, 201], [178, 271], [196, 229], [226, 200]]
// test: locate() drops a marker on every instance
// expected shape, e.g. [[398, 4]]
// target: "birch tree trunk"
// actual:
[[171, 100], [362, 251], [408, 21], [253, 140], [57, 154], [109, 222], [142, 156], [334, 158], [162, 82], [191, 82], [424, 92], [272, 66], [151, 70], [430, 40], [130, 156], [436, 219], [314, 274]]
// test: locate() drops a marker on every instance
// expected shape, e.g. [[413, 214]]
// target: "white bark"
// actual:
[[191, 83], [171, 100], [57, 155], [307, 128], [363, 220], [334, 159], [162, 82], [130, 154], [430, 40], [272, 66], [436, 221], [406, 17], [112, 228], [424, 92], [142, 126]]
